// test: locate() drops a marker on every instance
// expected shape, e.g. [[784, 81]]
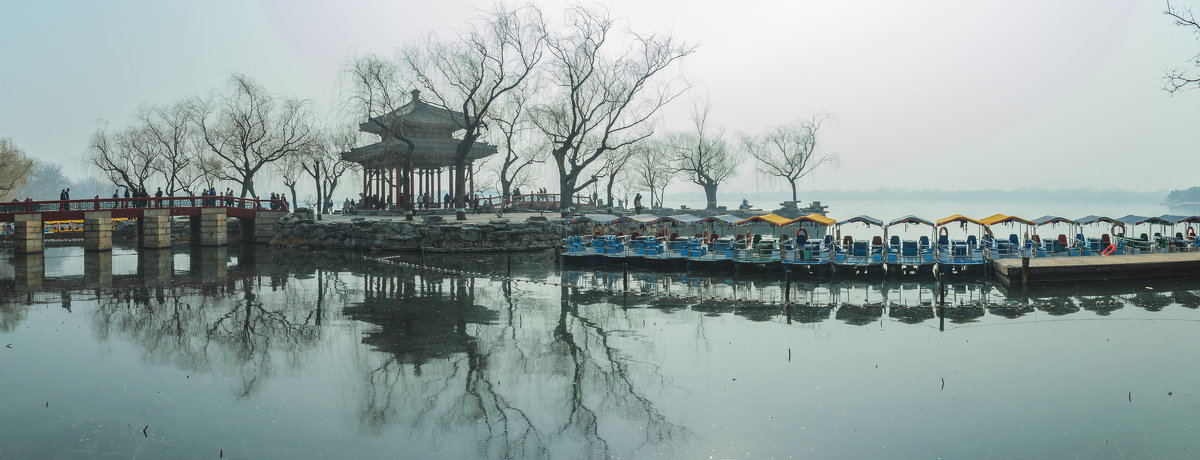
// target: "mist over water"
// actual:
[[252, 353]]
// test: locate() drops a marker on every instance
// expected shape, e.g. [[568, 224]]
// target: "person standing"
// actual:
[[637, 203], [158, 194]]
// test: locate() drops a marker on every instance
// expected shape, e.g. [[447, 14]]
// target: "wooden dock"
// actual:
[[1099, 268]]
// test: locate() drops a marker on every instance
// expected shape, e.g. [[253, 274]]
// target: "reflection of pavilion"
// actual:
[[418, 323], [430, 129]]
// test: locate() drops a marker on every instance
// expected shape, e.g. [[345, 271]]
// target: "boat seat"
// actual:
[[895, 240], [1104, 239], [634, 235], [972, 242], [1062, 243], [1036, 239], [1014, 239], [923, 242], [674, 235], [847, 241], [908, 248], [860, 248], [943, 240]]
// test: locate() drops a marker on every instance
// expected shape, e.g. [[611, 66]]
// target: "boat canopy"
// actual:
[[1174, 219], [1049, 220], [773, 219], [602, 219], [995, 219], [640, 218], [1138, 220], [1094, 219], [956, 218], [863, 219], [815, 218], [910, 220], [685, 219], [723, 219]]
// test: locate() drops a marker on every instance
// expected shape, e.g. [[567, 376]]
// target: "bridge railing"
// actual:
[[108, 204], [533, 201]]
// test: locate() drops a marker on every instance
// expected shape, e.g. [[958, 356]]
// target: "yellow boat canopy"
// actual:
[[817, 218], [773, 219], [956, 218], [1003, 219]]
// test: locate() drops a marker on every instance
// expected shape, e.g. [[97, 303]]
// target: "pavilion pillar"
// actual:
[[439, 187], [396, 186], [366, 173], [471, 176]]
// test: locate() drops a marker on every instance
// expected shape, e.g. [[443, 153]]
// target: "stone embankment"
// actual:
[[497, 235]]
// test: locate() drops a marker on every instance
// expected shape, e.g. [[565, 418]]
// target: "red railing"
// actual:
[[124, 205]]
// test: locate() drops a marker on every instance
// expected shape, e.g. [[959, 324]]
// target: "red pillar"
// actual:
[[364, 189], [439, 188]]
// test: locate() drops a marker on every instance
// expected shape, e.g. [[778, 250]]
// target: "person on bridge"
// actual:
[[158, 194]]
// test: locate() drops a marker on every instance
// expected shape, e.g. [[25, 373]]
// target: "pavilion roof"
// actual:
[[415, 112], [427, 153]]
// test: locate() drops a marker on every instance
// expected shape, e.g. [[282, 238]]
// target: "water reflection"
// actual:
[[461, 360]]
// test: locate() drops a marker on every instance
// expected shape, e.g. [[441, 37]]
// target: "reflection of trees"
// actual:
[[241, 325], [527, 381]]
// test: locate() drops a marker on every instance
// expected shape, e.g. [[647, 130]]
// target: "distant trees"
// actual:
[[322, 162], [14, 168], [788, 151], [376, 90], [701, 155], [601, 95], [470, 71], [1188, 195], [1176, 79], [248, 128]]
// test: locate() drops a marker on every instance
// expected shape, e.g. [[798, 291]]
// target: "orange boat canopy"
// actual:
[[773, 219], [956, 218], [816, 218], [1003, 219]]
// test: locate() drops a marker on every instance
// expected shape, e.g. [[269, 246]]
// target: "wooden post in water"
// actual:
[[942, 302], [625, 277], [1024, 270], [787, 284]]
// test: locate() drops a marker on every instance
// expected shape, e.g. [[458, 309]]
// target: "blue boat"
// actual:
[[998, 246], [963, 254], [862, 255], [812, 248], [909, 256]]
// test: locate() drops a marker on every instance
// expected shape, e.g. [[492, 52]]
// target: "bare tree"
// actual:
[[249, 128], [471, 71], [648, 171], [701, 155], [176, 144], [325, 166], [512, 131], [613, 166], [788, 151], [14, 168], [602, 102], [376, 92], [127, 157], [1177, 79]]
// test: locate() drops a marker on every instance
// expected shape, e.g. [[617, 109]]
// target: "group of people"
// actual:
[[279, 202]]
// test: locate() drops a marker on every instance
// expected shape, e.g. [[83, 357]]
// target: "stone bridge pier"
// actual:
[[28, 236], [154, 229], [97, 231]]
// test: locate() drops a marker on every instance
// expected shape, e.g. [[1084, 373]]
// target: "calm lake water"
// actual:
[[258, 353]]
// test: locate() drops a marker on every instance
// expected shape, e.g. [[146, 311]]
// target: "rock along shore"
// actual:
[[496, 235]]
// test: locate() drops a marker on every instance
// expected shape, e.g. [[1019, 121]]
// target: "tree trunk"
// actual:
[[566, 188], [460, 182], [793, 183], [320, 195], [710, 192], [611, 179]]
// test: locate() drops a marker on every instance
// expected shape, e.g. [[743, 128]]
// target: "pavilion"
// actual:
[[431, 130]]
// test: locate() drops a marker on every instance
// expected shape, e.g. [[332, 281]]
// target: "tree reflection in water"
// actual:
[[524, 379]]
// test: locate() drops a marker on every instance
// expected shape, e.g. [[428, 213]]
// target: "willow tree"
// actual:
[[788, 151], [128, 157], [15, 167], [648, 171], [470, 70], [1177, 79], [512, 132], [248, 128], [605, 87], [701, 155]]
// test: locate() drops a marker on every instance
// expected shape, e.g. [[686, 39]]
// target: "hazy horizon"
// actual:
[[990, 95]]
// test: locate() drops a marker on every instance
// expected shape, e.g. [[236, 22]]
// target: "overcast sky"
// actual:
[[922, 94]]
